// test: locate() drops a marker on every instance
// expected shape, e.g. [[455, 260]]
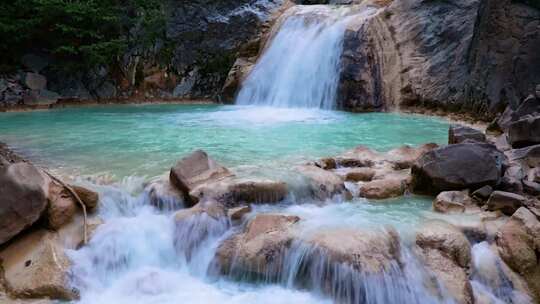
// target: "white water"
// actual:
[[300, 68]]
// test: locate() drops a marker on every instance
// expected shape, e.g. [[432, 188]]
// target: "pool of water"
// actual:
[[147, 140]]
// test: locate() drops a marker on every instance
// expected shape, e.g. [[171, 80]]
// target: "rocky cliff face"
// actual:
[[475, 56]]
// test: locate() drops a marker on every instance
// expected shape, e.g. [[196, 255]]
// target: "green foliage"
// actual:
[[79, 34]]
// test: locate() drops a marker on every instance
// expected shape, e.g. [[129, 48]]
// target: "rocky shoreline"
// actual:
[[493, 177]]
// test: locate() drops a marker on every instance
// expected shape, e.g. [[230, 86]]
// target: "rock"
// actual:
[[327, 163], [194, 170], [506, 202], [164, 196], [35, 81], [360, 175], [35, 266], [62, 206], [404, 157], [452, 202], [483, 193], [524, 132], [198, 223], [519, 243], [42, 98], [534, 175], [236, 214], [447, 252], [260, 248], [358, 157], [458, 134], [537, 91], [529, 106], [384, 188], [369, 252], [531, 188], [23, 198], [511, 181], [88, 197], [322, 184], [530, 156], [458, 167], [232, 192]]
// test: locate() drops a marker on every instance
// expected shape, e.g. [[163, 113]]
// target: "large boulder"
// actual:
[[62, 206], [506, 202], [35, 81], [260, 249], [452, 202], [233, 192], [164, 196], [458, 167], [23, 198], [384, 188], [529, 156], [524, 132], [88, 197], [519, 246], [458, 134], [35, 266], [447, 253], [194, 170]]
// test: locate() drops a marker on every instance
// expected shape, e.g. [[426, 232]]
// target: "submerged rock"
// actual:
[[194, 170], [23, 198], [447, 253], [458, 167]]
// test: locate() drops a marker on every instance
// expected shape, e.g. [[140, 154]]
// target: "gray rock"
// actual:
[[529, 155], [41, 98], [483, 193], [537, 91], [531, 188], [524, 132], [529, 106], [35, 81], [506, 202], [458, 167], [458, 134]]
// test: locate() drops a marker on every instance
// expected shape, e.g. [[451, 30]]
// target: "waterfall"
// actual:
[[301, 66]]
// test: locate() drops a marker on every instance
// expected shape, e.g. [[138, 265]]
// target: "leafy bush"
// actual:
[[78, 34]]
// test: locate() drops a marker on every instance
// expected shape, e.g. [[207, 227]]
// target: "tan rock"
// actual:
[[384, 188], [447, 253], [238, 213], [90, 198], [35, 266], [164, 196], [452, 202], [359, 174], [62, 206], [322, 184]]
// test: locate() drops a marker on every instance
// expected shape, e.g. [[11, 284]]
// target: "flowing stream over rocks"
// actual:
[[143, 254]]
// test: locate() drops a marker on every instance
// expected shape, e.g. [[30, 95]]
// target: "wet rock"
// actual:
[[232, 192], [62, 206], [327, 163], [41, 98], [88, 197], [212, 209], [360, 175], [358, 157], [404, 157], [458, 167], [322, 184], [447, 253], [519, 244], [236, 214], [384, 188], [194, 170], [483, 193], [458, 134], [369, 252], [35, 81], [524, 132], [506, 202], [23, 198], [260, 248], [452, 202], [164, 196], [35, 266]]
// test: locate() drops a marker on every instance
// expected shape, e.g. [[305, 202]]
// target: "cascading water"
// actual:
[[301, 66]]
